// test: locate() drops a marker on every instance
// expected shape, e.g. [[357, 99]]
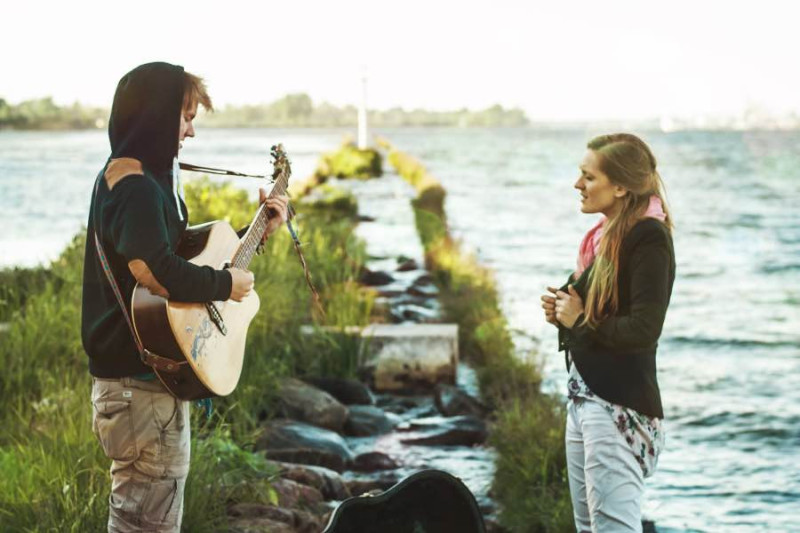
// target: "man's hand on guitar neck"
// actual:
[[278, 211]]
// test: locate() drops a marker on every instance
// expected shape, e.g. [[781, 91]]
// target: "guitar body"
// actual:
[[188, 332]]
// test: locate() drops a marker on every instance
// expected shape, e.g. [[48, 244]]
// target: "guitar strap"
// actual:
[[221, 171], [157, 362]]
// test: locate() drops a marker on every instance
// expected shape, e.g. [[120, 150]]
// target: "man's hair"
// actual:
[[195, 92]]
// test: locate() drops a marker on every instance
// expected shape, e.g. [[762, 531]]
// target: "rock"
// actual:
[[309, 457], [410, 308], [406, 402], [451, 431], [373, 461], [407, 265], [258, 525], [347, 391], [310, 522], [359, 487], [258, 517], [306, 403], [366, 218], [292, 494], [394, 405], [413, 313], [374, 279], [366, 420], [486, 507], [648, 526], [423, 291], [325, 480], [258, 510], [390, 292], [424, 279], [409, 358], [303, 440], [492, 526], [452, 401]]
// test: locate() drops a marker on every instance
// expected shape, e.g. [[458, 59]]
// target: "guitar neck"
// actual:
[[255, 233]]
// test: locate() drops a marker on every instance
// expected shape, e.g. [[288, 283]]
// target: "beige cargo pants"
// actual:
[[145, 432]]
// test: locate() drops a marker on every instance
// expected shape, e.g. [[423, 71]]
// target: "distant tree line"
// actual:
[[298, 110], [291, 111], [44, 114]]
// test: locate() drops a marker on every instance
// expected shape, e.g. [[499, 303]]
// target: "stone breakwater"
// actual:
[[338, 438]]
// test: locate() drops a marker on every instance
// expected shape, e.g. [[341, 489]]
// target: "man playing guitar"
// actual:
[[136, 218]]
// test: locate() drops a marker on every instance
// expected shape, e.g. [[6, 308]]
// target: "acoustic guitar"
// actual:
[[197, 349]]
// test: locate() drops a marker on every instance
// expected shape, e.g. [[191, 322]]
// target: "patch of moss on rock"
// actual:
[[351, 162]]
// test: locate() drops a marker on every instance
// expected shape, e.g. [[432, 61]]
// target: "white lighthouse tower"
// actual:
[[362, 113]]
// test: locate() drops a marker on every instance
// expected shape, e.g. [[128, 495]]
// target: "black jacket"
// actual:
[[617, 360], [137, 218]]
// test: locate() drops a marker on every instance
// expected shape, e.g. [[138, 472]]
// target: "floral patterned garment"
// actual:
[[645, 435]]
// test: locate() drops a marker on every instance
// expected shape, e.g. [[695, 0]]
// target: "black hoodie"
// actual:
[[136, 218]]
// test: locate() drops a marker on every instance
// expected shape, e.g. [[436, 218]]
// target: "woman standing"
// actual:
[[609, 316]]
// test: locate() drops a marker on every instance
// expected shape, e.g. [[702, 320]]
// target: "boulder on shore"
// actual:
[[452, 401], [259, 518], [258, 525], [308, 457], [373, 461], [303, 443], [375, 278], [407, 265], [347, 391], [450, 431], [327, 481], [367, 420], [292, 494], [306, 403], [359, 487]]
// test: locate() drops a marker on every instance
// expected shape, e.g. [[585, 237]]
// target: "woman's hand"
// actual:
[[278, 211], [549, 306], [569, 306]]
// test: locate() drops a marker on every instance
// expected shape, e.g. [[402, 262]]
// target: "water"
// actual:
[[729, 358]]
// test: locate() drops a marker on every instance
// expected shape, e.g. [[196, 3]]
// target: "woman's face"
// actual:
[[598, 194]]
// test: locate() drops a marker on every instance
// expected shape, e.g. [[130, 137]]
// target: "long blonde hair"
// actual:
[[628, 163]]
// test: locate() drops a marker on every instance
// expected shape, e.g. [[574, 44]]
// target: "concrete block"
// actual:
[[409, 358]]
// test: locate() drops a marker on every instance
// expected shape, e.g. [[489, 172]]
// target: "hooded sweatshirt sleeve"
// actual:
[[138, 229]]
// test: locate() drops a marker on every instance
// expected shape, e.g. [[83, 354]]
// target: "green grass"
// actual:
[[529, 478], [53, 474], [530, 482]]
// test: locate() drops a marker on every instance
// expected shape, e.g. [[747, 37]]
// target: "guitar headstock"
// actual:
[[281, 166]]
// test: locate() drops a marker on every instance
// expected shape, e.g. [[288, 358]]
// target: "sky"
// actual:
[[568, 60]]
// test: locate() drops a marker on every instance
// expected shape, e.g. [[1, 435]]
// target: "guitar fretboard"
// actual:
[[249, 244]]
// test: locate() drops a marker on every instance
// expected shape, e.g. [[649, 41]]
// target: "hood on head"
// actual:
[[145, 116]]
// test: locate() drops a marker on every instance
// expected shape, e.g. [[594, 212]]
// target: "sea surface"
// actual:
[[729, 357]]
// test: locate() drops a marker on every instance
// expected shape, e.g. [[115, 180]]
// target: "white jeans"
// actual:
[[605, 481]]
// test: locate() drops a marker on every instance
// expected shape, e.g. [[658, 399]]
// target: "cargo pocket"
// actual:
[[161, 508], [170, 415], [113, 425]]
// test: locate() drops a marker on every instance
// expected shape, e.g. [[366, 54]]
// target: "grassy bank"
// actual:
[[528, 433], [53, 475]]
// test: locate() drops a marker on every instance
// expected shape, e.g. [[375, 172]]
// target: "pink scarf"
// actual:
[[591, 241]]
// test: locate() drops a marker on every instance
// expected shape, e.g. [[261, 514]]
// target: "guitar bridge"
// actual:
[[216, 317]]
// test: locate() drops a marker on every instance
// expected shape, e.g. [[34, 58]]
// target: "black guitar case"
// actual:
[[429, 501]]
